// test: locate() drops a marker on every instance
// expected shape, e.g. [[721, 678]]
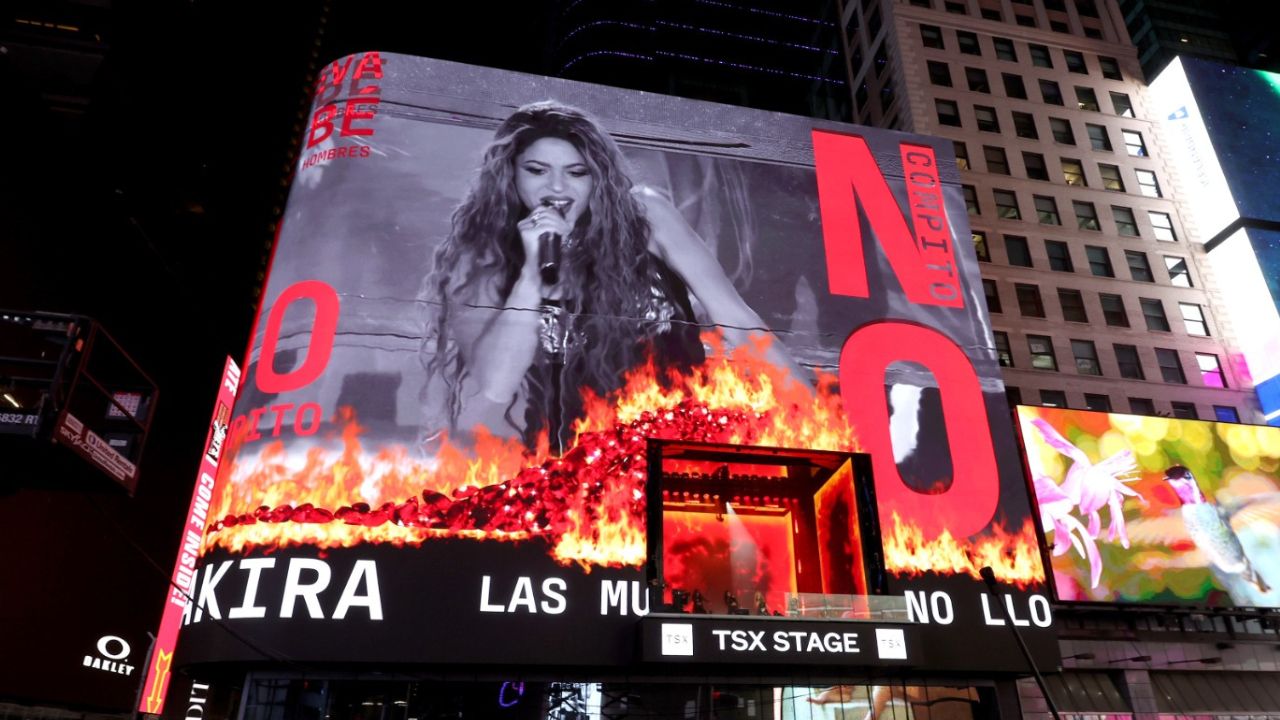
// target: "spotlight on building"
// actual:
[[1202, 661], [1135, 658]]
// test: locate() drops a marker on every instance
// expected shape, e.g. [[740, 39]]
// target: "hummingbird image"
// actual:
[[1210, 528]]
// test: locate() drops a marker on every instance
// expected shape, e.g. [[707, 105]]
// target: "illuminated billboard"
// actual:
[[155, 684], [1219, 122], [1156, 510], [492, 293]]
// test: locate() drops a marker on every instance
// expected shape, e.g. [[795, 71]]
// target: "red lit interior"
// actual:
[[709, 467], [840, 536], [730, 552], [751, 532]]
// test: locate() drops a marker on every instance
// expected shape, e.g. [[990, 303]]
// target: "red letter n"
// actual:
[[849, 178]]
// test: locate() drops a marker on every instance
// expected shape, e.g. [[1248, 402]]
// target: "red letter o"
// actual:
[[969, 504], [323, 330]]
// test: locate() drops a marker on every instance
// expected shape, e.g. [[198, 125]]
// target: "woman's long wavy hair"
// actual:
[[607, 278]]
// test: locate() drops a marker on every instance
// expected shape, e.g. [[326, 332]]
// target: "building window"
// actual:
[[1170, 366], [1142, 406], [1086, 99], [873, 24], [1101, 403], [1075, 62], [1184, 410], [1098, 137], [860, 97], [851, 27], [1133, 143], [1147, 183], [991, 14], [1047, 210], [987, 120], [968, 43], [948, 112], [1072, 305], [1004, 49], [1013, 86], [997, 161], [1113, 310], [880, 57], [1062, 131], [1058, 26], [886, 99], [1034, 163], [931, 36], [1073, 172], [1110, 68], [980, 248], [977, 79], [971, 200], [1003, 351], [939, 73], [1013, 394], [1042, 357], [1007, 205], [1153, 312], [1053, 398], [922, 3], [1087, 8], [1139, 268], [1017, 250], [1051, 93], [1126, 224], [1024, 20], [1121, 103], [1162, 226], [1099, 261], [1129, 363], [958, 8], [1179, 275], [1029, 302], [1059, 256], [1040, 56], [1193, 319], [1025, 125], [1225, 413], [1086, 355], [1111, 179], [1211, 370], [962, 154], [1086, 215], [993, 296]]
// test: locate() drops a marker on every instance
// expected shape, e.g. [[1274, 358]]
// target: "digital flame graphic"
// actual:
[[1014, 557], [588, 504]]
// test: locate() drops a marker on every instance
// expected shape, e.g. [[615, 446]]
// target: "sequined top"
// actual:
[[668, 330]]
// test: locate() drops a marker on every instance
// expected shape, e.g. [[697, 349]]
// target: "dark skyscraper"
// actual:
[[781, 56], [1224, 31]]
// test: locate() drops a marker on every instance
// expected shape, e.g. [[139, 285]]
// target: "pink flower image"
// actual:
[[1084, 491]]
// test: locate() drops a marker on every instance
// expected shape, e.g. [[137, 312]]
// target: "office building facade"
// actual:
[[1100, 292], [1097, 286]]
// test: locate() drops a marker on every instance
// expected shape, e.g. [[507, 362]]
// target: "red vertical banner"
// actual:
[[182, 581]]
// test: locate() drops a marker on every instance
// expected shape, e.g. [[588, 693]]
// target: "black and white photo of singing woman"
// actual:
[[560, 274]]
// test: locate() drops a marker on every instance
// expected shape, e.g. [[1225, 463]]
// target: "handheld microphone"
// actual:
[[550, 245]]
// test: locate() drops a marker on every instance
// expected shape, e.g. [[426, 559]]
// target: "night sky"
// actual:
[[148, 202]]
